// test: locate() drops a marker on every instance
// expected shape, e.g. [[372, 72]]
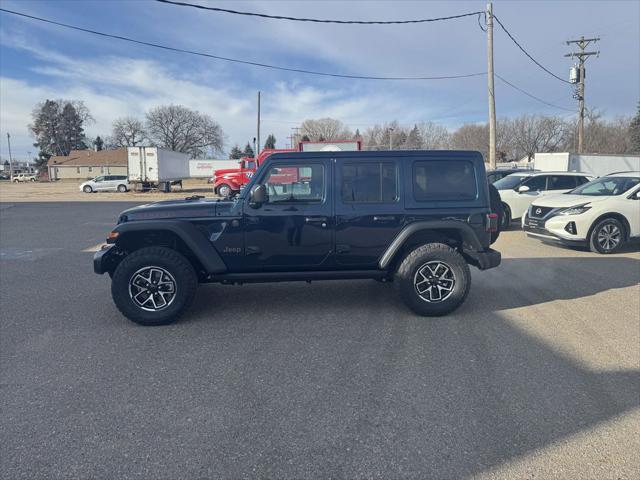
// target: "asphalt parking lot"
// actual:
[[536, 376]]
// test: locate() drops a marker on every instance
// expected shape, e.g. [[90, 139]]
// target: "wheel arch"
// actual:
[[618, 216], [452, 233], [181, 236]]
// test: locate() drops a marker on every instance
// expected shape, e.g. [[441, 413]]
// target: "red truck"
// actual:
[[229, 181]]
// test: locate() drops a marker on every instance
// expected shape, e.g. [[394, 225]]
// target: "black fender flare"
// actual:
[[468, 236], [193, 238]]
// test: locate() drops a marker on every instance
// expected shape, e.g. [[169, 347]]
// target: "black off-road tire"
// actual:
[[497, 208], [613, 223], [505, 219], [173, 262], [405, 276]]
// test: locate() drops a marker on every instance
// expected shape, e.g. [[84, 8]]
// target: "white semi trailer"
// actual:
[[594, 163], [153, 167]]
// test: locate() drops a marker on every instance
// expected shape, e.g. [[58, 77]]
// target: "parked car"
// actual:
[[4, 176], [602, 214], [518, 190], [416, 218], [106, 183], [494, 175], [23, 177]]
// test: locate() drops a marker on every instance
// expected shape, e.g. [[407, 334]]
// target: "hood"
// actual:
[[225, 171], [567, 200], [175, 209]]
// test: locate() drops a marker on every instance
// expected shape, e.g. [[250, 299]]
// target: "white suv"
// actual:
[[602, 214], [106, 183], [518, 190]]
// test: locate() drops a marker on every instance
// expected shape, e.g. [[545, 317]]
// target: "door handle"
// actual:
[[315, 219], [321, 220], [384, 218]]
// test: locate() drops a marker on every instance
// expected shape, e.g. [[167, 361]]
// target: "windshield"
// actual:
[[606, 186], [510, 181]]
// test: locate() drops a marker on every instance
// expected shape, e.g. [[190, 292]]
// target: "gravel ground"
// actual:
[[537, 375], [67, 191]]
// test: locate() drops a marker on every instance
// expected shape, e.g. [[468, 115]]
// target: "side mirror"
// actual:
[[258, 196], [523, 189], [636, 196]]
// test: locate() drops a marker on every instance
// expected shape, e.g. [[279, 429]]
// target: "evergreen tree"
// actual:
[[98, 143], [248, 151], [235, 153], [634, 131], [305, 138], [271, 142], [414, 139], [58, 126]]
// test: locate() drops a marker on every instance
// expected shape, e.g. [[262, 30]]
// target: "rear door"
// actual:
[[368, 211]]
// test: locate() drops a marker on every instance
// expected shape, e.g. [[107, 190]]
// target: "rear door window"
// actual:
[[444, 180], [369, 183], [562, 182]]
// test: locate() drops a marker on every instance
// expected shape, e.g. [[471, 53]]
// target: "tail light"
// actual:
[[492, 222]]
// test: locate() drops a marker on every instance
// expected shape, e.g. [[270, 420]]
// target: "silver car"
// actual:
[[106, 183]]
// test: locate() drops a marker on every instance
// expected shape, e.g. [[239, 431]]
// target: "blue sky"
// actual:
[[39, 61]]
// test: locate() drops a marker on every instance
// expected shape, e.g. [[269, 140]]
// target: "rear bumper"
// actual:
[[486, 259], [105, 260]]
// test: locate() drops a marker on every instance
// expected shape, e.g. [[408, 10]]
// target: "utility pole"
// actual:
[[294, 137], [256, 152], [577, 76], [391, 129], [10, 158], [492, 98]]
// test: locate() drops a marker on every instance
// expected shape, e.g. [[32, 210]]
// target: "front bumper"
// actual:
[[555, 230], [106, 259]]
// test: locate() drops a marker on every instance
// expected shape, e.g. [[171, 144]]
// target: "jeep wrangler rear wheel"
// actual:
[[154, 286], [433, 279]]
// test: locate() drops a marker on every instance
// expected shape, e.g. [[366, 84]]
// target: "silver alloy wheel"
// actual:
[[152, 288], [224, 190], [609, 236], [87, 189], [122, 188], [434, 281]]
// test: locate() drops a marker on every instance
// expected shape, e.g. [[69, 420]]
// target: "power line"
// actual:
[[504, 80], [318, 20], [235, 60], [527, 53]]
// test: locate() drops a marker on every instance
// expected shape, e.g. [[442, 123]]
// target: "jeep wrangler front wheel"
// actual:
[[154, 286], [433, 279]]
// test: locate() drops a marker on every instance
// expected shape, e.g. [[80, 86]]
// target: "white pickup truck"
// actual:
[[23, 177]]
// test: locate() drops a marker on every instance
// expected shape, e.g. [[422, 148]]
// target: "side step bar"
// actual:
[[258, 277]]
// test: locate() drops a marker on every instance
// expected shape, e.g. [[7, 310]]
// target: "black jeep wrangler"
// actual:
[[417, 218]]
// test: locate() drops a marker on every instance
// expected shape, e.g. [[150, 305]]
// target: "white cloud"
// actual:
[[115, 86]]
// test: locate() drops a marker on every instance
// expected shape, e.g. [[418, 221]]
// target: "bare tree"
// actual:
[[325, 129], [434, 136], [127, 132], [528, 134], [471, 137], [183, 130], [602, 136]]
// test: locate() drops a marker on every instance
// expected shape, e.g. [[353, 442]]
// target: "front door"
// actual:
[[294, 227]]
